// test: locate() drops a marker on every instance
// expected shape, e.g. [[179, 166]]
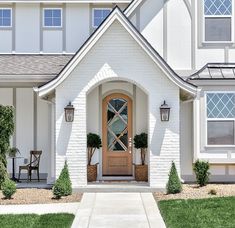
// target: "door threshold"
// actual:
[[116, 178]]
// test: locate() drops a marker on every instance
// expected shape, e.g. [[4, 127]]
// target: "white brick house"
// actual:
[[142, 54]]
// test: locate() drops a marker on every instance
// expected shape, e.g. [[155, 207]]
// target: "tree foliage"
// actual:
[[6, 130]]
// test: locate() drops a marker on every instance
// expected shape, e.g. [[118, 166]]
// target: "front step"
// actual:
[[118, 186]]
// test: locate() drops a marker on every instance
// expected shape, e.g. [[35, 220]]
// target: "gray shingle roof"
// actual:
[[215, 71], [31, 67]]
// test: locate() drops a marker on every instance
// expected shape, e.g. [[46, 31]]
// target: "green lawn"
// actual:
[[200, 213], [36, 221]]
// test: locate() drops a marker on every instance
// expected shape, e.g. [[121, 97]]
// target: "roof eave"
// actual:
[[117, 14]]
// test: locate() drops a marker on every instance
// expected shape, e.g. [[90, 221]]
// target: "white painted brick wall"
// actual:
[[117, 56]]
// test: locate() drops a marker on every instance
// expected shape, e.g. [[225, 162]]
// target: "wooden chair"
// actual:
[[33, 164]]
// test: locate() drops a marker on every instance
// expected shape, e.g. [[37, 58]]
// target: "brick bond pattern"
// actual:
[[117, 56]]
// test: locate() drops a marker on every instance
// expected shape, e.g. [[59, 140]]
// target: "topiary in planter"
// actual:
[[93, 143], [201, 169], [63, 185], [141, 171], [174, 184], [8, 188], [141, 142]]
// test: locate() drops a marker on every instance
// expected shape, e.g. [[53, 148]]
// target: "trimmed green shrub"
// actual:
[[8, 188], [3, 174], [201, 169], [174, 184], [141, 142], [93, 143], [63, 185]]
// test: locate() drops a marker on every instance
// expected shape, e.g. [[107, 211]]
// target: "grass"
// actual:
[[36, 221], [199, 213]]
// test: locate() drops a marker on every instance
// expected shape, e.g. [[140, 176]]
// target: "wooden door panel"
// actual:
[[117, 135]]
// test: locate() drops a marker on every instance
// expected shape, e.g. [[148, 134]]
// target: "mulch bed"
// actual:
[[192, 191], [37, 196]]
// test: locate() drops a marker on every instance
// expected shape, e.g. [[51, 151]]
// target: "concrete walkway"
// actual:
[[40, 208], [118, 210]]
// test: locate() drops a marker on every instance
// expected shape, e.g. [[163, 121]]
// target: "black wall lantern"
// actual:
[[69, 112], [165, 112]]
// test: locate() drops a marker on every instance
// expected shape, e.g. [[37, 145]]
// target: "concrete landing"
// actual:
[[118, 187], [118, 210]]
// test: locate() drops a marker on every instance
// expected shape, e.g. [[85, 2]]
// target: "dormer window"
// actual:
[[52, 17], [5, 17], [99, 14], [218, 20]]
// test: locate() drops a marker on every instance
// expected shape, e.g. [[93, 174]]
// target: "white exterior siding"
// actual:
[[77, 31], [119, 58], [32, 128], [24, 122], [52, 41], [27, 34], [186, 139], [151, 25], [178, 35], [6, 41], [43, 141], [27, 30]]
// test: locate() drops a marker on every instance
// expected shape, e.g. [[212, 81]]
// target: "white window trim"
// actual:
[[217, 119], [93, 14], [54, 26], [218, 16], [8, 26]]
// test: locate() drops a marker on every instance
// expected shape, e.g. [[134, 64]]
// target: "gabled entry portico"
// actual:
[[117, 53]]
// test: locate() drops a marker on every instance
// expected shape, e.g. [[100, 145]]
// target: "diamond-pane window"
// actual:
[[220, 105], [217, 7]]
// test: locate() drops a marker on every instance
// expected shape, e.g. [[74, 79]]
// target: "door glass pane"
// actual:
[[220, 132], [117, 125]]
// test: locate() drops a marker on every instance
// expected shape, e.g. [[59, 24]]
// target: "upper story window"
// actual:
[[99, 14], [218, 20], [52, 18], [220, 118], [5, 17]]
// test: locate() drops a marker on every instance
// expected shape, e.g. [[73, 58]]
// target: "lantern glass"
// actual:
[[165, 112], [69, 113]]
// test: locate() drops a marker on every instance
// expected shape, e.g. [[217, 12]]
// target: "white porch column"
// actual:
[[51, 171], [196, 126]]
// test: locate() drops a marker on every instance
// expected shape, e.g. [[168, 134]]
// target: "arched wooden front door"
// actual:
[[117, 135]]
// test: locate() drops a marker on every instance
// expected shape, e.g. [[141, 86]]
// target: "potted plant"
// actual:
[[93, 143], [141, 171], [12, 152]]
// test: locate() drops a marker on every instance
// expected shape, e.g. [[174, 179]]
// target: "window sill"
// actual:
[[220, 146], [213, 44]]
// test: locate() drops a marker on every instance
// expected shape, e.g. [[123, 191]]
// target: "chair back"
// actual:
[[35, 158]]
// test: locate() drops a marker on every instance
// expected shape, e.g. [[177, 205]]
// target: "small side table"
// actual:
[[13, 168]]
